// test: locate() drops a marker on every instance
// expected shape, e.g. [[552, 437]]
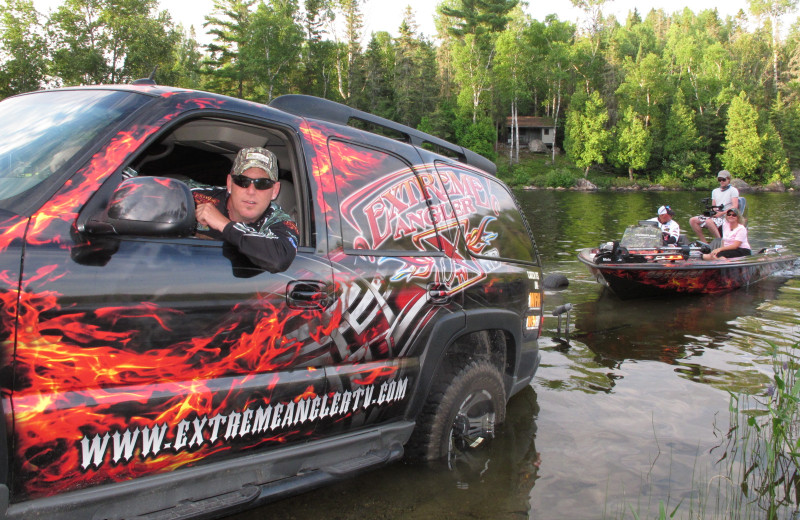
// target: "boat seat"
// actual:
[[683, 240], [742, 205]]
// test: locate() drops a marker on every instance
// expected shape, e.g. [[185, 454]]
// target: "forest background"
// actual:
[[656, 99]]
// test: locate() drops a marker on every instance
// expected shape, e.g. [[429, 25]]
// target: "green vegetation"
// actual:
[[659, 97], [763, 444], [758, 458]]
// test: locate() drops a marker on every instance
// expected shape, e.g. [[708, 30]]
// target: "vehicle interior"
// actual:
[[202, 151]]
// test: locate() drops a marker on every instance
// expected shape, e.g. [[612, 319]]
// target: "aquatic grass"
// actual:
[[760, 451], [762, 446], [757, 458]]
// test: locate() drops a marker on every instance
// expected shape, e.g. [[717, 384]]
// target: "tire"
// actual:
[[465, 405]]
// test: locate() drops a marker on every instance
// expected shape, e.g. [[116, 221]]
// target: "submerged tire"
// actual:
[[465, 405], [555, 281]]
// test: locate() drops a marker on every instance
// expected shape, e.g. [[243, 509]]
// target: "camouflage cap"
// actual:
[[256, 158]]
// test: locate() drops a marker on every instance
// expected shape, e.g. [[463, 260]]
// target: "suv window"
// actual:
[[42, 134], [384, 207], [492, 214], [200, 151]]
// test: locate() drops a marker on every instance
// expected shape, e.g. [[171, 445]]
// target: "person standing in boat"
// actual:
[[734, 238], [670, 230], [726, 196]]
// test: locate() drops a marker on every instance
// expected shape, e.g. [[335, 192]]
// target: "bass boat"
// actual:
[[640, 265]]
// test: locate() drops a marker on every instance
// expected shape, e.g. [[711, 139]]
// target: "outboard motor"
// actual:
[[605, 253], [611, 253]]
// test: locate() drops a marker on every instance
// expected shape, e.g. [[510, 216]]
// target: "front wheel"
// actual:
[[461, 412]]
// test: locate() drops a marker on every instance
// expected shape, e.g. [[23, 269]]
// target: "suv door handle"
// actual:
[[308, 294], [438, 293]]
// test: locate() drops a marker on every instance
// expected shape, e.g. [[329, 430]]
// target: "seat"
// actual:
[[287, 199], [742, 205]]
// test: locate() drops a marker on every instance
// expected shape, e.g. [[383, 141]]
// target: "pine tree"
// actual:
[[774, 163], [229, 24], [683, 153], [317, 53], [743, 146]]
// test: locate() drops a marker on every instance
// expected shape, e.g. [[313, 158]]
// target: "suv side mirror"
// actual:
[[152, 206]]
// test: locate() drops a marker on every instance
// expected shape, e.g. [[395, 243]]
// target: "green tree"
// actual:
[[594, 13], [272, 47], [743, 146], [184, 67], [786, 116], [379, 67], [318, 53], [23, 49], [702, 66], [683, 152], [632, 142], [586, 138], [557, 62], [348, 57], [229, 24], [774, 163], [110, 41], [414, 72], [477, 136], [645, 87], [773, 11], [475, 25], [511, 69]]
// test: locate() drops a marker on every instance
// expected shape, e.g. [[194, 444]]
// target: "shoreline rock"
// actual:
[[586, 185]]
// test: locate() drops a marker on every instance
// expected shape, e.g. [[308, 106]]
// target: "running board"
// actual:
[[195, 509], [252, 495]]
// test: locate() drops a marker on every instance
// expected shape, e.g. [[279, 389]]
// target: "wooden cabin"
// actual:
[[533, 128]]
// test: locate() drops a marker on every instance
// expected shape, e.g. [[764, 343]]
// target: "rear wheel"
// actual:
[[461, 412]]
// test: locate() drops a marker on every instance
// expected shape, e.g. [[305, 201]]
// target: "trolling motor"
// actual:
[[710, 210]]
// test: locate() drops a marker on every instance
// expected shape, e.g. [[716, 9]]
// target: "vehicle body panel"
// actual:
[[130, 360]]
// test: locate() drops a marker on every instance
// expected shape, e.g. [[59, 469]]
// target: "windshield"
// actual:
[[44, 132]]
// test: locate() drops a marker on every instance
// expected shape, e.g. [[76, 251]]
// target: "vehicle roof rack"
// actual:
[[333, 112]]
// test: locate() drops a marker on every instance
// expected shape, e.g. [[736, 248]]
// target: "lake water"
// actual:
[[626, 413]]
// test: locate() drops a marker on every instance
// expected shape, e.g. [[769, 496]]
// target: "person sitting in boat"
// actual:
[[734, 238], [726, 197], [670, 230]]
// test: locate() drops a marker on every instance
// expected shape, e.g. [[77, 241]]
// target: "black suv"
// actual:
[[147, 372]]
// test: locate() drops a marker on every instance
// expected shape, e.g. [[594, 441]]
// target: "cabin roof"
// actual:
[[532, 122]]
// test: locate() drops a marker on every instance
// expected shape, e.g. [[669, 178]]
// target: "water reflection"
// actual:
[[495, 483], [664, 330]]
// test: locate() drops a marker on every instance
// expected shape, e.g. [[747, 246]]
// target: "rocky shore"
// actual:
[[743, 187]]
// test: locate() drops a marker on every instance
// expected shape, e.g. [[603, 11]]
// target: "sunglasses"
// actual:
[[721, 179], [731, 214], [245, 182]]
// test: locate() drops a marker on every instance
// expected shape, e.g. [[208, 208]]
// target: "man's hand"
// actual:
[[208, 215]]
